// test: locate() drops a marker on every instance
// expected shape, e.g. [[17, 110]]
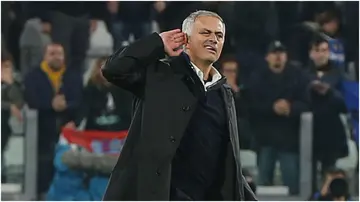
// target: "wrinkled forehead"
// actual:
[[210, 23]]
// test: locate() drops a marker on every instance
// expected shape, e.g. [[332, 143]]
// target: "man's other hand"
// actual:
[[320, 87], [70, 125], [7, 76], [282, 107], [59, 103], [113, 7], [46, 27], [173, 40], [15, 111]]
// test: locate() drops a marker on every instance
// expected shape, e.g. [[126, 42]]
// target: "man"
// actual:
[[55, 92], [277, 98], [11, 103], [330, 24], [182, 143], [330, 142], [325, 191]]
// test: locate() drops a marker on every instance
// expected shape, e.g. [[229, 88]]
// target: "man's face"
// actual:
[[54, 56], [6, 65], [320, 54], [276, 60], [331, 27], [207, 39], [229, 70]]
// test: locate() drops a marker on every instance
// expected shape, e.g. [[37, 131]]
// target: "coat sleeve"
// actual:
[[127, 68]]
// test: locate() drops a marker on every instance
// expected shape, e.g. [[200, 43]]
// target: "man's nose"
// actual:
[[213, 38]]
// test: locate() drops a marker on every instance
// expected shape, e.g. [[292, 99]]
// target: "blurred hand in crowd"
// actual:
[[160, 6], [320, 87], [16, 112], [46, 27], [70, 125], [93, 25], [113, 7], [173, 40], [59, 103], [282, 107]]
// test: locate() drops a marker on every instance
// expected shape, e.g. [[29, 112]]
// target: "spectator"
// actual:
[[105, 107], [55, 91], [12, 102], [277, 98], [330, 24], [229, 67], [327, 105], [125, 21], [331, 190], [68, 23]]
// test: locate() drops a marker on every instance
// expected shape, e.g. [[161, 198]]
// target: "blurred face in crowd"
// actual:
[[331, 27], [6, 65], [54, 56], [320, 54], [229, 70], [206, 40], [276, 61]]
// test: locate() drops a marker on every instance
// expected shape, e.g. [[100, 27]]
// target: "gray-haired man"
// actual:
[[183, 141]]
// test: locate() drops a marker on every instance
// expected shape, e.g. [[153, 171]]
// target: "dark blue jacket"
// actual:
[[39, 94], [265, 88], [329, 132]]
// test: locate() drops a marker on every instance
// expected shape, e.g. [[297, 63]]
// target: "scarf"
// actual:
[[55, 77]]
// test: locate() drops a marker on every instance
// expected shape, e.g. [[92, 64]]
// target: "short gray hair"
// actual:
[[188, 23]]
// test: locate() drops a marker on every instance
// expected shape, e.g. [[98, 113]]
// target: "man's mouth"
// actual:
[[210, 48]]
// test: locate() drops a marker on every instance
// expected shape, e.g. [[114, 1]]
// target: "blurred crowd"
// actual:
[[306, 53]]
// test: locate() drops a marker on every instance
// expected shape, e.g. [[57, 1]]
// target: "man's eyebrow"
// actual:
[[216, 32]]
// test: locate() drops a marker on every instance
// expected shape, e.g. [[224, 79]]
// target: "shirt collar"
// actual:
[[214, 73]]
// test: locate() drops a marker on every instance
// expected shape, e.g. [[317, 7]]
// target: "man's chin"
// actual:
[[211, 58]]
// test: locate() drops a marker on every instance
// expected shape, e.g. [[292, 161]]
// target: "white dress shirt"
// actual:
[[215, 75]]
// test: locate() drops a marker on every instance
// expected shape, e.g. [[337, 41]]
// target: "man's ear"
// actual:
[[187, 38]]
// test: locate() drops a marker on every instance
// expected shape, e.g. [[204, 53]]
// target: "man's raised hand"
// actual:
[[172, 40]]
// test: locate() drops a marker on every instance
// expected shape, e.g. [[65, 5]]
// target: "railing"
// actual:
[[279, 193], [26, 190]]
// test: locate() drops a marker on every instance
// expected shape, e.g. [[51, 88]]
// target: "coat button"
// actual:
[[158, 173], [172, 139], [186, 108]]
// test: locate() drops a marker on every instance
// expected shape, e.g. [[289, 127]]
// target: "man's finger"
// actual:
[[174, 31], [179, 40], [178, 44], [177, 52], [178, 35]]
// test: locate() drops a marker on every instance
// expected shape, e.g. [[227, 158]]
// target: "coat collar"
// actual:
[[182, 65]]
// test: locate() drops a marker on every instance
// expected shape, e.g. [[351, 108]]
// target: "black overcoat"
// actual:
[[166, 95]]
